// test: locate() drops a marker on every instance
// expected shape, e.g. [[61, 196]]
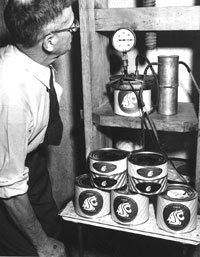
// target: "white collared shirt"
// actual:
[[24, 114]]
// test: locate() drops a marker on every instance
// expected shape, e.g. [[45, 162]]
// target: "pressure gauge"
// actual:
[[123, 40]]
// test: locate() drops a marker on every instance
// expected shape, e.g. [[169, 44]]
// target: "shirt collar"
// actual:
[[42, 73]]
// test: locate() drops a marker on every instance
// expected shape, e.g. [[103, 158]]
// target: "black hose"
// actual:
[[150, 65]]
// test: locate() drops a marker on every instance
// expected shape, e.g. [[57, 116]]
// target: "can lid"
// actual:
[[83, 181], [146, 81], [108, 154], [180, 192], [145, 158], [127, 85]]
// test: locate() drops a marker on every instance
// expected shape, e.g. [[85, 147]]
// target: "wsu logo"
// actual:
[[90, 202], [125, 208], [128, 101], [176, 216], [104, 167]]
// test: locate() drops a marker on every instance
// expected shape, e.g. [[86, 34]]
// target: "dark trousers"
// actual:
[[12, 240]]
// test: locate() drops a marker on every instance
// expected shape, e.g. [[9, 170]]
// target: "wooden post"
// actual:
[[95, 70]]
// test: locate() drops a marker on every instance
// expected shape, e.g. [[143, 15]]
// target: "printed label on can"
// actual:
[[90, 202], [147, 187], [149, 172], [128, 101], [125, 208], [176, 216], [105, 182], [104, 167]]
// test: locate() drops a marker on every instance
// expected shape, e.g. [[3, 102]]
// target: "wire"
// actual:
[[145, 120], [153, 127], [192, 77], [150, 65]]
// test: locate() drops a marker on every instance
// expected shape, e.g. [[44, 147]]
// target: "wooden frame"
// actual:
[[96, 20]]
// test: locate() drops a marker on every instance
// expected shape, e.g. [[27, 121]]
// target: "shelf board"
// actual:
[[149, 18], [149, 228], [184, 121]]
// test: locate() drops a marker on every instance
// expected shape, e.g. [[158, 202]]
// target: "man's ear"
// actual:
[[49, 42]]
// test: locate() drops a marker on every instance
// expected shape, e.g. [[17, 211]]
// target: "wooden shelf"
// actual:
[[97, 20], [179, 18], [184, 121], [149, 228]]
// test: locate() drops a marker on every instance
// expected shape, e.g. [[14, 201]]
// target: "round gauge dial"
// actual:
[[123, 40]]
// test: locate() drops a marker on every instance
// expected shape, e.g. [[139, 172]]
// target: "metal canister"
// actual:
[[168, 84], [147, 172], [128, 208], [108, 168], [90, 202], [177, 209], [126, 98]]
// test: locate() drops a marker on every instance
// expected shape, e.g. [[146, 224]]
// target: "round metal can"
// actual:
[[168, 84], [90, 202], [147, 172], [126, 99], [177, 209], [108, 168], [128, 208]]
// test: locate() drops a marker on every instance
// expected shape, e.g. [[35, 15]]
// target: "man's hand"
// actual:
[[52, 248], [24, 217]]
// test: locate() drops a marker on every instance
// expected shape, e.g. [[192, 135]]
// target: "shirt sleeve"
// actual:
[[13, 149]]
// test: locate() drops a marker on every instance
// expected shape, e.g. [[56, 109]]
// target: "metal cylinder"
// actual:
[[176, 210], [168, 84], [108, 168], [147, 172]]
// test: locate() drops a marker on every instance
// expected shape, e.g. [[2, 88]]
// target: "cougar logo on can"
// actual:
[[176, 216], [90, 202], [128, 101], [104, 167], [125, 208], [148, 187], [105, 182], [149, 172]]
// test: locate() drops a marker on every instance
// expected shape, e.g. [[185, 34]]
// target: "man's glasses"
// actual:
[[75, 26]]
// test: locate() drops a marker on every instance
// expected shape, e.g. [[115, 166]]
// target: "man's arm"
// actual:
[[21, 211]]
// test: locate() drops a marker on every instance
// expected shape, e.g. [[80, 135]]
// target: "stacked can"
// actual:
[[147, 172], [107, 190], [108, 168], [177, 209], [90, 202], [128, 208]]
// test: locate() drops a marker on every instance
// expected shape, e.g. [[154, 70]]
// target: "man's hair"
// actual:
[[26, 19]]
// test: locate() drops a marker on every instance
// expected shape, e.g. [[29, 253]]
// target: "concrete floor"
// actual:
[[100, 242]]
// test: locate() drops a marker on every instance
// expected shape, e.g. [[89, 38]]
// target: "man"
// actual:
[[41, 31]]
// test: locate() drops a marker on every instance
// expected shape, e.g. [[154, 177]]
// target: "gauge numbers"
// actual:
[[123, 40]]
